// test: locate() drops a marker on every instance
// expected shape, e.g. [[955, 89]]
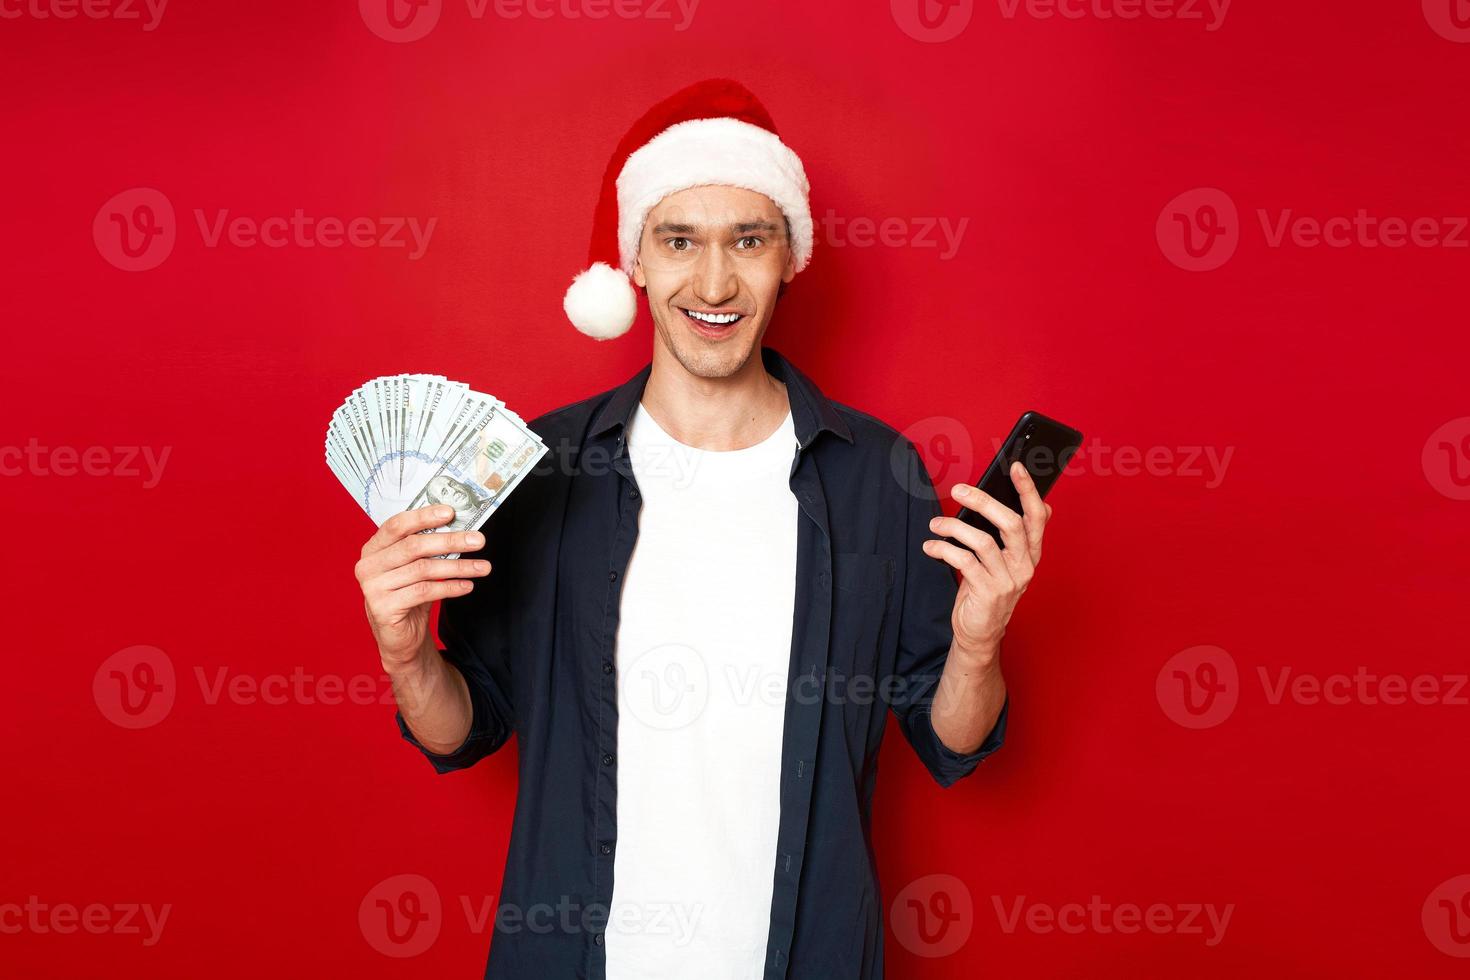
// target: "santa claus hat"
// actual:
[[713, 132]]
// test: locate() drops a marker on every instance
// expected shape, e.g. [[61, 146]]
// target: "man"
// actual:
[[697, 659], [447, 490]]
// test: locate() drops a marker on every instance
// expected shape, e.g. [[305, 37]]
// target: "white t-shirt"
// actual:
[[703, 651]]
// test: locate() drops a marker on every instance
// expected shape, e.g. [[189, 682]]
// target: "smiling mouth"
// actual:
[[710, 322]]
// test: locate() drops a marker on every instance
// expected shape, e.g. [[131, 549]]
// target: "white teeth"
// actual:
[[717, 318]]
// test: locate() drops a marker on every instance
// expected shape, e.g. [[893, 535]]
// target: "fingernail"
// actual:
[[934, 524], [475, 538], [961, 490], [442, 512]]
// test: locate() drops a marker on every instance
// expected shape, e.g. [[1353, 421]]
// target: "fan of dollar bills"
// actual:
[[412, 440]]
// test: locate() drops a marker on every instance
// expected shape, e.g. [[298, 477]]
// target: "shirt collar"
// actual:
[[811, 411]]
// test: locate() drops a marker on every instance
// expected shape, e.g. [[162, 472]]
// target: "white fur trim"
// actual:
[[601, 302], [712, 151]]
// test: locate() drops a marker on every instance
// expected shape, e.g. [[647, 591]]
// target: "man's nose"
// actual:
[[715, 282]]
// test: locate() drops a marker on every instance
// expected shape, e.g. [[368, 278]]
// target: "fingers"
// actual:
[[970, 567], [408, 522], [1035, 512], [414, 547], [1012, 528], [982, 545], [384, 606], [430, 569], [967, 563]]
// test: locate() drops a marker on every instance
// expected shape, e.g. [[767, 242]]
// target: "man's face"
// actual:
[[712, 259], [447, 491]]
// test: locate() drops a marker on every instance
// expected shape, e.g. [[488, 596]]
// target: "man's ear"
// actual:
[[639, 279], [789, 273]]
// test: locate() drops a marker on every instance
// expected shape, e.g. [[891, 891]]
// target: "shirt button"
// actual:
[[597, 939], [607, 760], [607, 668], [606, 848], [612, 576], [633, 494]]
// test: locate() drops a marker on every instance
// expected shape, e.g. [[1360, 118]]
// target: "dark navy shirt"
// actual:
[[536, 644]]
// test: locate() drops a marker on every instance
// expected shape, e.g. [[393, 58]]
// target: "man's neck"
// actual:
[[718, 414]]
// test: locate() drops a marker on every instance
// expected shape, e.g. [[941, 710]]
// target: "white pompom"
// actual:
[[601, 302]]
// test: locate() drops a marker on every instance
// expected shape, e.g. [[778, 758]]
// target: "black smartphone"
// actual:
[[1043, 446]]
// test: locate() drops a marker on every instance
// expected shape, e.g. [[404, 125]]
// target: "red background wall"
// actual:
[[1333, 543]]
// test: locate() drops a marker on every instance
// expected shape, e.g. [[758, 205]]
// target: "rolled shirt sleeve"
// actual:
[[924, 638]]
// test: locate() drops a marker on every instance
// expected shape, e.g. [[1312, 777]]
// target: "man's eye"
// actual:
[[748, 242], [679, 244]]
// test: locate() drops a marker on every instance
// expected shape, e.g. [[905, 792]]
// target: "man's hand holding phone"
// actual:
[[992, 578]]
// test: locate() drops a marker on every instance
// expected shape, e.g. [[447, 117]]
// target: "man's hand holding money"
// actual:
[[401, 579]]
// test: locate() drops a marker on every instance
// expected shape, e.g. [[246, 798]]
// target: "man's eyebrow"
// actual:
[[740, 228]]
